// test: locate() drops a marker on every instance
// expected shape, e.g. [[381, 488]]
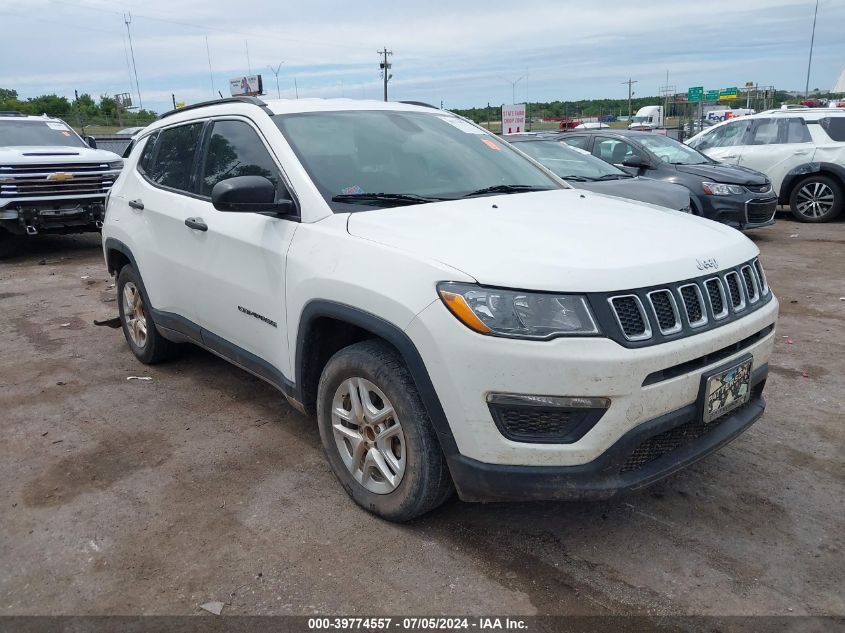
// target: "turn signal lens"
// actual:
[[458, 306]]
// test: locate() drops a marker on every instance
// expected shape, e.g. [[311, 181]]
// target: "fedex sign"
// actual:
[[513, 118]]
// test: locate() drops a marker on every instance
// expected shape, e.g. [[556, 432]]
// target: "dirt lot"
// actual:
[[152, 497]]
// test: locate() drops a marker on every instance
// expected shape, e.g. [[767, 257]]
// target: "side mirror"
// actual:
[[92, 142], [249, 194], [635, 161]]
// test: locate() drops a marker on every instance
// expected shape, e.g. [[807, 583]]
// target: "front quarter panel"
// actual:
[[325, 262]]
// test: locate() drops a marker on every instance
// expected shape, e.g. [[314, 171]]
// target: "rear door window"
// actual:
[[147, 154], [174, 161], [613, 150], [796, 131], [576, 141], [834, 126], [765, 132]]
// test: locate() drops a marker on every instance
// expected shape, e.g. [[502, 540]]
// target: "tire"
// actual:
[[410, 454], [817, 198], [135, 318], [8, 244]]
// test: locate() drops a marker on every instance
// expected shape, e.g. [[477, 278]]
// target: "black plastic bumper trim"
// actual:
[[601, 478]]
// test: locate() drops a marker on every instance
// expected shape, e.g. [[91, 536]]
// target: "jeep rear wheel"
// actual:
[[140, 331], [377, 435], [817, 199]]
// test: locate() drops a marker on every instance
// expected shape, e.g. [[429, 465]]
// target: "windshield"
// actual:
[[29, 133], [412, 154], [671, 151], [570, 163], [642, 119]]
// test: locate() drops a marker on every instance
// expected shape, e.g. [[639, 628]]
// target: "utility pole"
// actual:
[[296, 87], [385, 68], [128, 20], [275, 71], [513, 87], [630, 83], [248, 63], [810, 61]]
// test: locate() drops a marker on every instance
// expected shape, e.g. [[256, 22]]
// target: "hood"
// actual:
[[728, 174], [663, 194], [34, 154], [566, 240]]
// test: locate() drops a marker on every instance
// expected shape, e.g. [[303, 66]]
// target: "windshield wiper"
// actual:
[[614, 177], [385, 199], [578, 178], [504, 189]]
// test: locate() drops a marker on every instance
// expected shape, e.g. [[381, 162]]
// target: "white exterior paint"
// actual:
[[388, 262]]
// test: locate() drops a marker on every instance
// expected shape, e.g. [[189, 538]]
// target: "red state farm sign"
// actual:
[[513, 118]]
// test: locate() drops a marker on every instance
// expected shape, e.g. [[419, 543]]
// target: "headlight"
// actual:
[[116, 164], [518, 314], [719, 189]]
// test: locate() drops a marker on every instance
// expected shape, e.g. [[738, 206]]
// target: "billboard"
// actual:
[[513, 118], [249, 85]]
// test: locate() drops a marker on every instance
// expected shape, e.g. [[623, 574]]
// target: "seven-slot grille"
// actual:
[[34, 181], [689, 305]]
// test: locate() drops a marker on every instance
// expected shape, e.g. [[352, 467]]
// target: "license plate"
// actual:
[[727, 390]]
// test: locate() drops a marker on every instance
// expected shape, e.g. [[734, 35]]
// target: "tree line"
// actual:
[[79, 112]]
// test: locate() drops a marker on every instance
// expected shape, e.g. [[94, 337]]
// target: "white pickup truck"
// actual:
[[51, 181]]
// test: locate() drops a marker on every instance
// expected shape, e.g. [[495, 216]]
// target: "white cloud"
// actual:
[[457, 52]]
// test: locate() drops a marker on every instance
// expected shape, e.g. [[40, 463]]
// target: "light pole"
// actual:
[[810, 61], [513, 87], [275, 71]]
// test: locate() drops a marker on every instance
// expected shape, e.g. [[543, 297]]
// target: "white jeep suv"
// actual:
[[454, 315], [801, 150]]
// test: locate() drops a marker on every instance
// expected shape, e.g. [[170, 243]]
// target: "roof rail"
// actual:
[[420, 103], [202, 104], [11, 113]]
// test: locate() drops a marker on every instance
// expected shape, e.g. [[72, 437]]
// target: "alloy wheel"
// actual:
[[133, 313], [814, 200], [368, 435]]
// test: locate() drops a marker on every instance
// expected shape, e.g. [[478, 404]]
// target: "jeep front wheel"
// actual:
[[377, 435]]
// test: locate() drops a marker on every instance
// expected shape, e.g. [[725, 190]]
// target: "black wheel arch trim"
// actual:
[[796, 174], [394, 335]]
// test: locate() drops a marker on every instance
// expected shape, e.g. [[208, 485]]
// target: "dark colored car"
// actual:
[[584, 171], [737, 196]]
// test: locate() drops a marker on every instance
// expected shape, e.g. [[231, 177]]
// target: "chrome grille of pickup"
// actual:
[[35, 181], [684, 307]]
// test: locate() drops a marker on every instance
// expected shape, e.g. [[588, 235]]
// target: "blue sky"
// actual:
[[463, 53]]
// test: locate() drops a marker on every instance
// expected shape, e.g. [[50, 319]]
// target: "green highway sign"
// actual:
[[727, 93], [712, 95], [695, 93]]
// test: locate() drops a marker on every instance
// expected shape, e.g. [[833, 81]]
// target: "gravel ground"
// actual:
[[202, 484]]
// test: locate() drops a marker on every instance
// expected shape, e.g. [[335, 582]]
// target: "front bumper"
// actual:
[[466, 367], [745, 211], [649, 452], [31, 217]]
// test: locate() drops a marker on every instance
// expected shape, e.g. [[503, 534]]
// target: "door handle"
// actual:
[[196, 223], [730, 155], [137, 204]]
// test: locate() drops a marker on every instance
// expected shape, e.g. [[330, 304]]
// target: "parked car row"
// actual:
[[801, 150]]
